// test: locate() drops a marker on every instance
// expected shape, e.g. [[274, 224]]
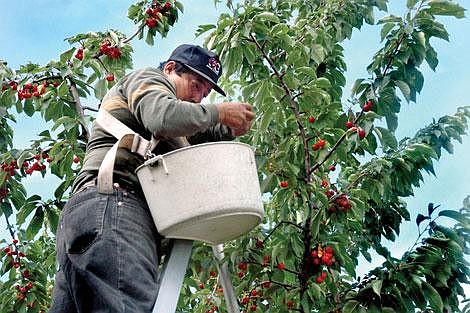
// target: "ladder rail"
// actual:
[[172, 275]]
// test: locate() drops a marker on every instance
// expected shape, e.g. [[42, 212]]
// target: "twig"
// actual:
[[138, 31], [292, 105], [78, 106]]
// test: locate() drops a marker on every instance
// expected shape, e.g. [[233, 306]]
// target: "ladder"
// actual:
[[172, 275]]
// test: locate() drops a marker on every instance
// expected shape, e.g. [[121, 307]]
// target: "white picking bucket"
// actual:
[[208, 192]]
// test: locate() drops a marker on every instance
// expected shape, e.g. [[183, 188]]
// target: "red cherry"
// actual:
[[245, 300], [23, 290], [311, 119], [212, 274], [266, 284], [349, 124], [314, 253], [15, 241], [368, 105], [151, 22], [36, 94], [243, 266], [254, 293], [6, 250], [281, 266], [241, 274], [284, 184], [28, 86], [167, 6], [201, 286], [315, 146], [26, 274], [110, 77], [104, 47], [76, 159], [329, 250], [149, 11], [319, 279], [362, 134], [321, 143], [290, 304], [29, 285], [79, 56], [253, 307], [332, 168]]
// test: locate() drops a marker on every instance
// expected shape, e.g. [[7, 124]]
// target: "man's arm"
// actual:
[[218, 132]]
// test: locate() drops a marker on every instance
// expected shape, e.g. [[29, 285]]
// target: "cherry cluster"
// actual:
[[361, 133], [320, 144], [12, 84], [322, 256], [29, 90], [14, 257], [211, 301], [341, 203], [153, 12], [111, 51]]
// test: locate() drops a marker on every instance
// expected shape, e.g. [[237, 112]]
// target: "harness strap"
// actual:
[[127, 139]]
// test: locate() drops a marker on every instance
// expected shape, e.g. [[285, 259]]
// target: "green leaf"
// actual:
[[433, 297], [100, 89], [404, 88], [268, 16], [316, 221], [149, 39], [133, 11], [377, 286], [445, 7], [456, 216], [24, 212], [204, 28], [387, 138], [351, 306], [420, 218], [28, 108], [411, 3], [431, 58], [65, 56], [35, 225], [6, 209], [385, 30]]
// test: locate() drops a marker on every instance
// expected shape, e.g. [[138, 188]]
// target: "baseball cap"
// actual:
[[201, 62]]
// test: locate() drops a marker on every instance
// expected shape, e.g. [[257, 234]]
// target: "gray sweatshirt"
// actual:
[[145, 100]]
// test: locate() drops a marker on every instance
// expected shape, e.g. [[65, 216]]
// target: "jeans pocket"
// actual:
[[82, 223]]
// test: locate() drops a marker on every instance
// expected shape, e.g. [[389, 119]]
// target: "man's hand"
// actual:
[[236, 115]]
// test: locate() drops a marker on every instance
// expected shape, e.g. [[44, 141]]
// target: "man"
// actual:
[[107, 243]]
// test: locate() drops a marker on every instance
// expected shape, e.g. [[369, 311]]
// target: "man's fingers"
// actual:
[[249, 115]]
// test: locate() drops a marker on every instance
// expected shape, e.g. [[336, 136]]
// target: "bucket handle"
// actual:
[[154, 160]]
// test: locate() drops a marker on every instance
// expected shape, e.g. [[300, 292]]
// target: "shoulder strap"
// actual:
[[127, 139]]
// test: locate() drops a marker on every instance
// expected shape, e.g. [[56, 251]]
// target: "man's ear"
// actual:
[[169, 67]]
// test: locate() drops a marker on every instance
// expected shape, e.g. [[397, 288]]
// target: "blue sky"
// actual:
[[34, 31]]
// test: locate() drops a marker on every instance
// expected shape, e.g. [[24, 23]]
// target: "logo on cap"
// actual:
[[214, 65]]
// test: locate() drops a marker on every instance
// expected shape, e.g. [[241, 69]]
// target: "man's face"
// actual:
[[189, 86]]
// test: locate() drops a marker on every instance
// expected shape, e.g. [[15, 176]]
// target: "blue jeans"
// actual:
[[107, 254]]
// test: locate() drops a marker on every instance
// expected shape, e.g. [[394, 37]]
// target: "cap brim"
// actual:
[[214, 85]]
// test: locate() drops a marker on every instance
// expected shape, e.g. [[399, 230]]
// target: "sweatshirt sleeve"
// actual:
[[152, 100]]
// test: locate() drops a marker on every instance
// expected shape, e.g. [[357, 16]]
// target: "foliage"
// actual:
[[334, 174]]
